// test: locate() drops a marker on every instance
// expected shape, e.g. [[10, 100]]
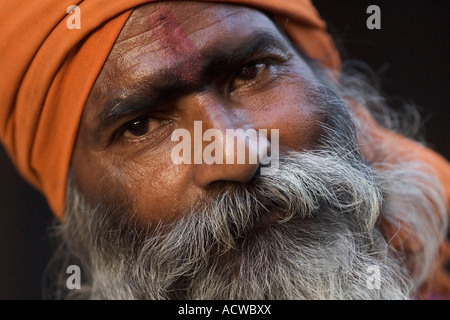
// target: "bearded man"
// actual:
[[88, 117]]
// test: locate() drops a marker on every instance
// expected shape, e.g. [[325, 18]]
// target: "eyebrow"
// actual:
[[162, 86]]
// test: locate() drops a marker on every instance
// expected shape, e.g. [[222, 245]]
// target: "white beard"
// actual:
[[324, 244], [220, 251]]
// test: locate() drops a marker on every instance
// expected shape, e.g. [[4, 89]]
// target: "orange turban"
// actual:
[[47, 71]]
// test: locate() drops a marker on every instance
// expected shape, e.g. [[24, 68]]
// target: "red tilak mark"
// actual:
[[181, 52]]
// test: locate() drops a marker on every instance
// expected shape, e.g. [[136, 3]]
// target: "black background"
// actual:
[[411, 52]]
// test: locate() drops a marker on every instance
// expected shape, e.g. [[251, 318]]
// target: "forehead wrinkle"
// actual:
[[153, 16], [165, 33], [143, 38], [134, 42], [210, 22], [143, 16]]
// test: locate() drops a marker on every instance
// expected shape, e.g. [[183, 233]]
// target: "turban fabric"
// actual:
[[47, 71]]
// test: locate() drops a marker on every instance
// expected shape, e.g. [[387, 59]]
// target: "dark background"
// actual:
[[411, 52]]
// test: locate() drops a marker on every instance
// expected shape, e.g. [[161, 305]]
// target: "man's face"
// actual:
[[175, 63], [147, 227]]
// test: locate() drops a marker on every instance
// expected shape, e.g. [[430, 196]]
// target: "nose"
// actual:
[[228, 146], [234, 158]]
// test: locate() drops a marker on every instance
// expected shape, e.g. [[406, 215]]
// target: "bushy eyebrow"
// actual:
[[163, 85]]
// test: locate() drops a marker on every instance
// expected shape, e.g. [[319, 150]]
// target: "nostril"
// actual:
[[205, 174], [258, 170], [220, 185]]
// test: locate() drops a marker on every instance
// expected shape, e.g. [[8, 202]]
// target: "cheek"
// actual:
[[155, 188], [289, 110], [158, 189], [300, 127]]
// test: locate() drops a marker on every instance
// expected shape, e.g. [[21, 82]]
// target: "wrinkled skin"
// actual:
[[175, 64]]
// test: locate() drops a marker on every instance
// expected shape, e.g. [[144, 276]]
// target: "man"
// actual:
[[343, 209]]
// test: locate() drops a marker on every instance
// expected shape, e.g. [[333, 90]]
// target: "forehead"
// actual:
[[154, 23], [168, 34], [191, 16]]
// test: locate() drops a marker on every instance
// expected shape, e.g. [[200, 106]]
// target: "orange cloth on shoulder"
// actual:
[[47, 71]]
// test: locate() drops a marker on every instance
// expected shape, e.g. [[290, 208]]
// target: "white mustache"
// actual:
[[302, 186]]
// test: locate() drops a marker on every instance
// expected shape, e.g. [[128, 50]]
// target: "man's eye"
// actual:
[[248, 73], [140, 128]]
